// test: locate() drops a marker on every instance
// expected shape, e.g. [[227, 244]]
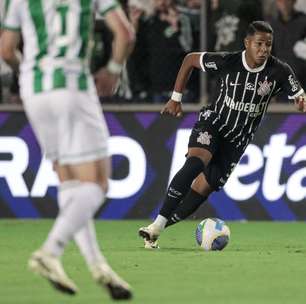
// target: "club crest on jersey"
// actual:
[[264, 88], [204, 138]]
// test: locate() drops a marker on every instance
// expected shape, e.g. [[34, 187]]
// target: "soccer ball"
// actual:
[[212, 234]]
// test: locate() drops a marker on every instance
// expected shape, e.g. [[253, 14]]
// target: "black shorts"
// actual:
[[225, 155]]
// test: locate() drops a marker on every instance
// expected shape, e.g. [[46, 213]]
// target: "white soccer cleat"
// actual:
[[149, 236], [50, 267], [150, 244], [104, 275]]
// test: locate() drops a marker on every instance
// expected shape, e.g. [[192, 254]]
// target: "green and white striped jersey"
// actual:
[[57, 41]]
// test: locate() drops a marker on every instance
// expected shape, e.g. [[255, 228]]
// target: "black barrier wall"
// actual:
[[269, 183]]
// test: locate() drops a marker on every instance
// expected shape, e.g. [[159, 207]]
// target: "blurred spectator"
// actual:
[[300, 5], [269, 9], [9, 88], [228, 21], [163, 39], [135, 82], [192, 9], [1, 21], [290, 38]]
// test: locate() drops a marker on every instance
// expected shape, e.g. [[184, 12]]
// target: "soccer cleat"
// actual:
[[150, 244], [106, 277], [50, 267], [149, 237]]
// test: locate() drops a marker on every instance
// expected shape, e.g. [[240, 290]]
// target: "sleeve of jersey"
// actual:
[[11, 15], [212, 62], [291, 85], [104, 6]]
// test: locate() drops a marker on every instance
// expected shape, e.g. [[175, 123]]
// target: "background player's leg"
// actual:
[[85, 237], [81, 193]]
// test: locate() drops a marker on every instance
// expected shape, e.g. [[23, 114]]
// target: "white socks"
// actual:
[[159, 223], [78, 202], [87, 242]]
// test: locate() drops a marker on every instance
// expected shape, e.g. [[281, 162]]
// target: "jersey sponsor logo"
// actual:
[[211, 65], [294, 83], [204, 138], [264, 88], [253, 109], [250, 86]]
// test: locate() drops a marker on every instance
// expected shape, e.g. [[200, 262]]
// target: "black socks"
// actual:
[[188, 206], [180, 185]]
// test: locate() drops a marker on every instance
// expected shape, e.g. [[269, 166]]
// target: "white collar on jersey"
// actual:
[[260, 68]]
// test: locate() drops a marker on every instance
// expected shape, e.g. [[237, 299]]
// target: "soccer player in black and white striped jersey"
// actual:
[[247, 81]]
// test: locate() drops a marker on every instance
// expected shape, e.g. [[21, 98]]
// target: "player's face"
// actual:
[[258, 47]]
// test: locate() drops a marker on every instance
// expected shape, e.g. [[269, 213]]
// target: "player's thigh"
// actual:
[[97, 171], [201, 153], [221, 165]]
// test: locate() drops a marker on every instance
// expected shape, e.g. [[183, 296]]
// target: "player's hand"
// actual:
[[173, 108], [300, 103], [106, 82]]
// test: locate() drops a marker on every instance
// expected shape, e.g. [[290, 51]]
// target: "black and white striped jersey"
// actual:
[[243, 93]]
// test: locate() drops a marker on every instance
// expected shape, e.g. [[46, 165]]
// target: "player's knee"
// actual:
[[193, 166], [202, 189], [203, 154], [201, 186]]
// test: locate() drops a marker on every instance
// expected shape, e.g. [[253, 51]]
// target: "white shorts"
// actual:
[[69, 125]]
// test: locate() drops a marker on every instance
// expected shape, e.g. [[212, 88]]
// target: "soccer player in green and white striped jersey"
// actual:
[[61, 102]]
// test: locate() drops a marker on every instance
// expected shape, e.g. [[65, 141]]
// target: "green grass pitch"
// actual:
[[264, 263]]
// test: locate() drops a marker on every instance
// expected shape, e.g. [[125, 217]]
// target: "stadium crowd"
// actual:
[[166, 30]]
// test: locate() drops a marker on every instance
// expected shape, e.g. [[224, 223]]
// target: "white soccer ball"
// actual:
[[212, 234]]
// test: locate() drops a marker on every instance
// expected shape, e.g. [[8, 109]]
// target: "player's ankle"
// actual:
[[159, 223], [155, 228]]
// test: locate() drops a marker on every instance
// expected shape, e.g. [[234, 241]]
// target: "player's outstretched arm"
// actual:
[[174, 106], [300, 102]]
